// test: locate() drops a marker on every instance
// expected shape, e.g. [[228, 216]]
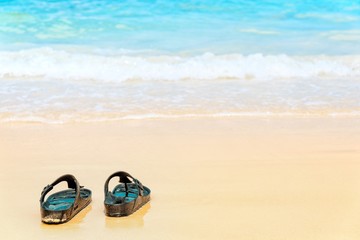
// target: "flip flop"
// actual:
[[62, 206], [126, 197]]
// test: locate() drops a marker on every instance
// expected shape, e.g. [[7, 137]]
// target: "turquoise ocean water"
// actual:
[[99, 60]]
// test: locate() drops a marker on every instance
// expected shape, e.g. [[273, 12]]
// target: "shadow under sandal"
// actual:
[[62, 206], [126, 197]]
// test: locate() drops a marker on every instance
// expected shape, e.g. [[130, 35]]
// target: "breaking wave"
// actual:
[[51, 64]]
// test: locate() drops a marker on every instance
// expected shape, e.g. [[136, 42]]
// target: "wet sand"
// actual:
[[210, 178]]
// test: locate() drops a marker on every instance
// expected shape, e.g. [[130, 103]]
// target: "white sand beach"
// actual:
[[225, 178]]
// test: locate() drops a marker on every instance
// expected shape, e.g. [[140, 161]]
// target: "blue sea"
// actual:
[[105, 60]]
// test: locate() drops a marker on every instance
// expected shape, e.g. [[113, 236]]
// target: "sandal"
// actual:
[[62, 206], [126, 197]]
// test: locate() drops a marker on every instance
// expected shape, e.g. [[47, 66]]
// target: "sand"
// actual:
[[210, 178]]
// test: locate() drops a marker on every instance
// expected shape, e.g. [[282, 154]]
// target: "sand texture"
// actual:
[[257, 179]]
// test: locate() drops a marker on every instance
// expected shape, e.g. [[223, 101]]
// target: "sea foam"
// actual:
[[58, 86], [50, 64]]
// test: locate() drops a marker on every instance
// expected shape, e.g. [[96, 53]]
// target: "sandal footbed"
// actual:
[[58, 208]]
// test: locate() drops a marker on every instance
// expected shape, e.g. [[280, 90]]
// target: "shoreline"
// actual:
[[210, 178], [354, 115]]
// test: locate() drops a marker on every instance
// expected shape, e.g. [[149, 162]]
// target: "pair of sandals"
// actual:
[[123, 200]]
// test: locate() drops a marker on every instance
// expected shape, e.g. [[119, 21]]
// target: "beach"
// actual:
[[242, 117], [211, 178]]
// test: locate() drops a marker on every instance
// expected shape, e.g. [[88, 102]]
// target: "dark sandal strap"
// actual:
[[71, 181], [125, 178]]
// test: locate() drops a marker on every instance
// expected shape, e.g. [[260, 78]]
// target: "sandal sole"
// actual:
[[124, 210], [57, 220]]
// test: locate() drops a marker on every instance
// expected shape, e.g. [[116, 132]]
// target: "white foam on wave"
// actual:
[[80, 85], [48, 63]]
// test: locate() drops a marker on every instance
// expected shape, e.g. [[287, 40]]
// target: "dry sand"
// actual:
[[210, 178]]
